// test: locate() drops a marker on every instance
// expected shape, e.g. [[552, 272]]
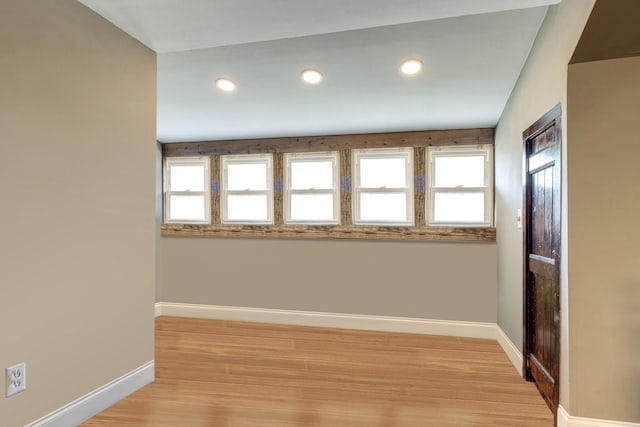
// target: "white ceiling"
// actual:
[[473, 51]]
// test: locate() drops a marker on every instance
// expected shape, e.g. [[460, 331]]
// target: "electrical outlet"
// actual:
[[16, 379]]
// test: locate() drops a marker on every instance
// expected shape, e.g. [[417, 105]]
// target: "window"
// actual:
[[247, 195], [383, 186], [186, 186], [460, 186], [386, 186], [312, 193]]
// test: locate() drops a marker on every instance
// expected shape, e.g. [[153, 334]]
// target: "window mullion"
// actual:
[[247, 192], [187, 193], [459, 189], [312, 191], [385, 190]]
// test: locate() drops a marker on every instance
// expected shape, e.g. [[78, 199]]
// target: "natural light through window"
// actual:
[[383, 186], [312, 193], [460, 183], [247, 195], [423, 186], [187, 190]]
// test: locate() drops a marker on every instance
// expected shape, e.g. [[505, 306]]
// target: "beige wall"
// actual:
[[77, 152], [604, 201], [453, 281], [542, 84]]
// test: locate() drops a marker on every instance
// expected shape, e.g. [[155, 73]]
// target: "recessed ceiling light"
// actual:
[[313, 77], [225, 85], [411, 66]]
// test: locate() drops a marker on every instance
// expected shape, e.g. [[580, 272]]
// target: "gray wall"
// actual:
[[604, 201], [542, 84], [77, 121], [452, 281]]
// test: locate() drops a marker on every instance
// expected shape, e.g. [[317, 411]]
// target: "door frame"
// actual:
[[551, 118]]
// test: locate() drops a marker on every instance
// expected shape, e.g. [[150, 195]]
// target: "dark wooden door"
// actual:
[[542, 170]]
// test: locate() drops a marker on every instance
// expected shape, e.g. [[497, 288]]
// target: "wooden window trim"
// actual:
[[353, 232], [419, 186], [419, 141], [431, 138], [346, 206], [278, 188], [216, 176]]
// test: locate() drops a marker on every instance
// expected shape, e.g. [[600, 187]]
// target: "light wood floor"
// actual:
[[232, 374]]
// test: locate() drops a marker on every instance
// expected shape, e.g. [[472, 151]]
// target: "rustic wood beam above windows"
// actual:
[[305, 144]]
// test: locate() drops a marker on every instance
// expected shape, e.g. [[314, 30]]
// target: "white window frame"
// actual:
[[224, 193], [332, 156], [470, 150], [383, 153], [186, 161]]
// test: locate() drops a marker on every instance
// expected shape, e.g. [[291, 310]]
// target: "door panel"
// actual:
[[542, 255]]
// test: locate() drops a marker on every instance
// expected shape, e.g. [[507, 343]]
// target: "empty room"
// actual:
[[348, 213]]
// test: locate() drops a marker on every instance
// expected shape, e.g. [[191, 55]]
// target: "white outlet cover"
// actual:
[[16, 379]]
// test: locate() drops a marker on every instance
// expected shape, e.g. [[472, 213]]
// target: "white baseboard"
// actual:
[[98, 400], [566, 420], [512, 352], [331, 320], [562, 417]]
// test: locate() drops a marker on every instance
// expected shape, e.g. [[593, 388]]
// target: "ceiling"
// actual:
[[473, 53]]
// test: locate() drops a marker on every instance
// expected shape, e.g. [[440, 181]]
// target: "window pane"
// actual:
[[186, 177], [247, 176], [252, 207], [306, 175], [187, 208], [312, 207], [459, 171], [390, 173], [383, 207], [459, 207]]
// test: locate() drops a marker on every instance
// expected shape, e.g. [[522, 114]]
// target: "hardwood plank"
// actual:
[[228, 373]]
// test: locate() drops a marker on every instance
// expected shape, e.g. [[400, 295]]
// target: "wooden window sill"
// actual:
[[447, 234]]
